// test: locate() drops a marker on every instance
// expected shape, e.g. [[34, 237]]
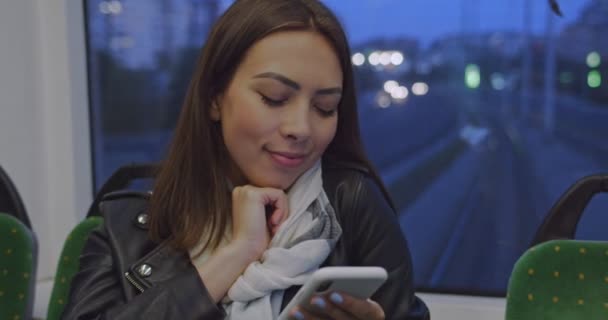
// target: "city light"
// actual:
[[358, 59], [390, 85], [397, 58], [593, 59], [594, 79], [400, 93], [498, 81], [385, 58], [383, 100], [472, 77], [396, 91], [420, 88], [374, 58], [388, 59], [110, 7]]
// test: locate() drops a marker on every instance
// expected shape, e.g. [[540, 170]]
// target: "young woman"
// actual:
[[265, 181]]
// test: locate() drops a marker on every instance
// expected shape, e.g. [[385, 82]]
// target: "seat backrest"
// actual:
[[10, 201], [18, 254], [560, 279], [121, 179], [68, 265], [563, 218]]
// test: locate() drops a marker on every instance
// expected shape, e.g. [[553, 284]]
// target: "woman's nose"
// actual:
[[296, 122]]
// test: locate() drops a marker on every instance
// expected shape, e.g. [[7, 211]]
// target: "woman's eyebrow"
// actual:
[[275, 76], [336, 90], [292, 84]]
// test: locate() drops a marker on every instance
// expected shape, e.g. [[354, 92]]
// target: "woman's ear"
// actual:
[[215, 111]]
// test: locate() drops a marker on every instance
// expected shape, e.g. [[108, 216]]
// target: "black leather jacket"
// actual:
[[124, 275]]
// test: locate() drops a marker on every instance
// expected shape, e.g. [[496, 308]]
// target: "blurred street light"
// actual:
[[472, 77], [593, 59], [594, 79], [397, 58], [420, 88], [390, 85], [400, 93], [498, 81], [110, 7], [358, 59], [383, 100], [374, 58], [385, 58]]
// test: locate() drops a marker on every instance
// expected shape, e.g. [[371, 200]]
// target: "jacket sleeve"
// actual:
[[97, 291], [377, 240]]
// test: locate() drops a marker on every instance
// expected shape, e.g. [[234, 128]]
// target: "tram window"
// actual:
[[478, 114]]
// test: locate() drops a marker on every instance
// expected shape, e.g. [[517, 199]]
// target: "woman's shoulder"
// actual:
[[347, 176], [349, 183], [340, 172], [341, 165], [125, 226], [123, 205], [125, 213]]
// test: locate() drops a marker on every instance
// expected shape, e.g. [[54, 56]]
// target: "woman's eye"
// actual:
[[325, 112], [272, 102]]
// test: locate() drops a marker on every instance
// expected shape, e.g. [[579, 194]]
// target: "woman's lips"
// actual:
[[287, 159]]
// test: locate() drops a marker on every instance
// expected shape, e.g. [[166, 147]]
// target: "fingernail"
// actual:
[[298, 315], [319, 303], [336, 298]]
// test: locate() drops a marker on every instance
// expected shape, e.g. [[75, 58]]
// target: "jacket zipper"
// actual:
[[134, 282]]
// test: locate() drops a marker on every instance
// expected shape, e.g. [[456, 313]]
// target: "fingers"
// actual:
[[278, 200], [340, 306], [251, 224], [299, 313], [323, 305], [337, 306], [269, 204]]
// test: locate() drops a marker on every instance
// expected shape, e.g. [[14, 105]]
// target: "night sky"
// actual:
[[429, 19]]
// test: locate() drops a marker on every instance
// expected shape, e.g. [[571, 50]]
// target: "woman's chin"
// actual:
[[282, 184], [278, 185]]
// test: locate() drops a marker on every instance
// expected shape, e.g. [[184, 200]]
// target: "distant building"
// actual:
[[459, 48], [588, 32], [138, 32]]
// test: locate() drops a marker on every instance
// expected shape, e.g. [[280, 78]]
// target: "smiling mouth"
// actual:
[[287, 159]]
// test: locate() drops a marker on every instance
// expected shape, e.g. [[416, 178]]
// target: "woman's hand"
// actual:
[[338, 306], [251, 232], [257, 213]]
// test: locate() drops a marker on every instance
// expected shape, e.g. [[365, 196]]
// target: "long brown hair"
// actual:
[[191, 197]]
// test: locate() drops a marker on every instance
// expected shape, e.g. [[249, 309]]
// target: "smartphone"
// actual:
[[359, 282]]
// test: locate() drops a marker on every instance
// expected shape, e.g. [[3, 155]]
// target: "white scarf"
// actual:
[[300, 245]]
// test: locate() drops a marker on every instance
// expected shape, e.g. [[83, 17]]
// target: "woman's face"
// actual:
[[280, 111]]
